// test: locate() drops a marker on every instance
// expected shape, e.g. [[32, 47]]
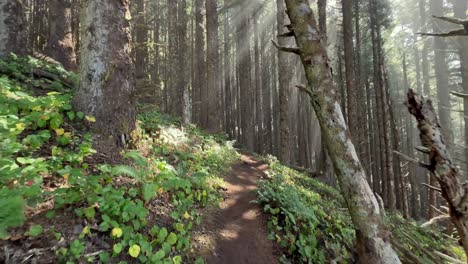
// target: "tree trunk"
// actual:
[[440, 67], [107, 83], [373, 244], [246, 94], [351, 90], [459, 9], [199, 109], [213, 66], [12, 28], [322, 14], [283, 80], [141, 49], [60, 46], [183, 78]]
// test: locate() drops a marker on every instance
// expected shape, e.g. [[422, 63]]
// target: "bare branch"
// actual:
[[461, 95], [286, 49], [452, 20], [303, 88], [286, 34], [436, 220], [453, 33], [431, 187], [410, 159], [423, 150]]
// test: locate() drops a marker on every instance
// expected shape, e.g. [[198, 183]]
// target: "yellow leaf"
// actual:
[[134, 251], [116, 232], [37, 109], [44, 117], [86, 230], [66, 176], [67, 134], [20, 126], [60, 131], [91, 119], [186, 215], [160, 190]]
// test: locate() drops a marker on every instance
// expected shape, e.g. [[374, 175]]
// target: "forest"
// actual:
[[234, 131]]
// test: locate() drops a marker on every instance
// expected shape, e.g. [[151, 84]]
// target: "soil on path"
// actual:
[[237, 231]]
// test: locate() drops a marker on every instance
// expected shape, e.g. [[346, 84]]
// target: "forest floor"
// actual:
[[237, 230]]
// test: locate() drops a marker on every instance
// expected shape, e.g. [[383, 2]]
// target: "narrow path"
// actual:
[[239, 226]]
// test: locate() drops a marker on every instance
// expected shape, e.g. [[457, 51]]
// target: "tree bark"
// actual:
[[12, 28], [283, 81], [213, 66], [182, 89], [107, 83], [373, 245], [440, 164], [199, 109], [351, 89], [60, 46], [459, 8]]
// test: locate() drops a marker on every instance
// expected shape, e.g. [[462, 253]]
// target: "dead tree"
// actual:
[[440, 165]]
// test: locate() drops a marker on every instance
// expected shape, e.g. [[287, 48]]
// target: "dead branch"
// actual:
[[448, 258], [43, 74], [286, 34], [423, 150], [461, 95], [304, 89], [286, 49], [452, 20], [436, 220], [410, 159], [441, 165], [453, 33], [431, 187]]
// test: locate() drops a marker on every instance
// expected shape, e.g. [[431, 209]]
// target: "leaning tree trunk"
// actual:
[[107, 80], [12, 28], [60, 46], [373, 243]]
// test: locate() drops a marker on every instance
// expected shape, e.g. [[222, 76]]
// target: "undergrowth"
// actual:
[[52, 189], [310, 222]]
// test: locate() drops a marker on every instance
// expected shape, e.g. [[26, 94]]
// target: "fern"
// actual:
[[137, 158], [127, 171]]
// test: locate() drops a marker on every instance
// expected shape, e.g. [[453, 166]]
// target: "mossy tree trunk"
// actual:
[[373, 242], [107, 79]]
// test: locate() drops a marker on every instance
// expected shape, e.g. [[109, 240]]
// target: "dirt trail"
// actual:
[[238, 228]]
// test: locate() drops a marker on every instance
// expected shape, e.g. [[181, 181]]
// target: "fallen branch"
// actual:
[[448, 258], [44, 74], [436, 220]]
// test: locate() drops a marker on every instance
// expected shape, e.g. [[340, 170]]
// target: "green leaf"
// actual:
[[35, 230], [80, 115], [171, 239], [104, 257], [89, 213], [162, 235], [71, 115], [159, 255], [177, 259], [117, 248]]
